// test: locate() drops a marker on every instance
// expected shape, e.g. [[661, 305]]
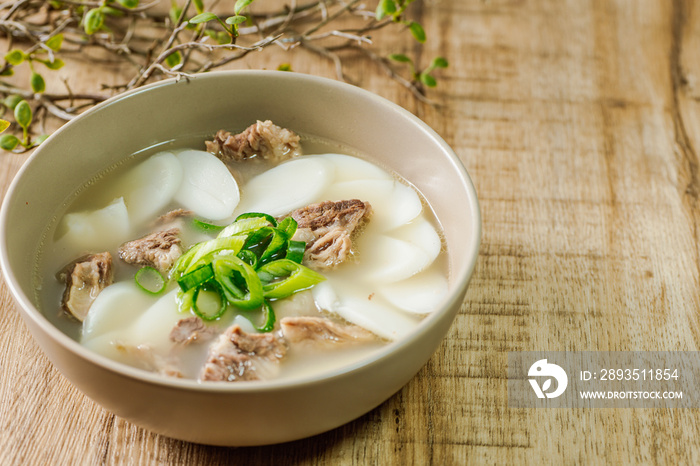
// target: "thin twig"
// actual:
[[146, 37]]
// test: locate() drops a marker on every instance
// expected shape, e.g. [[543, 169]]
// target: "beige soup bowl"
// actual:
[[256, 412]]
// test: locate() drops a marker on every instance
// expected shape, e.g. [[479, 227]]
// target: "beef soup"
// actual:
[[251, 256]]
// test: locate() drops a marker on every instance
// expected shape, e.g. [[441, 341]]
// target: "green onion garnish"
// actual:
[[269, 314], [203, 306], [289, 226], [249, 258], [150, 280], [240, 283], [295, 251], [267, 217], [252, 260], [196, 278], [284, 277], [207, 227], [268, 244], [246, 225]]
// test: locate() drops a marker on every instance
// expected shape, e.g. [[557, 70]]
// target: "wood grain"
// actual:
[[579, 123]]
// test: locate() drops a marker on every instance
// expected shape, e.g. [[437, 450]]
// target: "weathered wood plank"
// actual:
[[579, 123]]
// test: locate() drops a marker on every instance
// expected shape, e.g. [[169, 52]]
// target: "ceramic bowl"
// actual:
[[256, 412]]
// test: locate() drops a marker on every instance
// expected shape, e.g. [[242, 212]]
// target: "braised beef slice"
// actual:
[[173, 215], [236, 355], [159, 250], [85, 279], [150, 360], [191, 330], [323, 331], [330, 225], [263, 139]]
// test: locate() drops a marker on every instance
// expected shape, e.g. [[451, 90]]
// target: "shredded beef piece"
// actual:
[[262, 138], [238, 356], [323, 331], [85, 279], [191, 330], [152, 361], [173, 215], [332, 225], [159, 250]]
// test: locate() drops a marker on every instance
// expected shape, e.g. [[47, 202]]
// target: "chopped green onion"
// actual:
[[267, 217], [150, 280], [267, 243], [202, 253], [289, 226], [258, 241], [196, 278], [284, 277], [245, 225], [210, 311], [269, 314], [207, 227], [249, 258], [185, 300], [268, 318], [240, 283], [251, 261], [295, 251]]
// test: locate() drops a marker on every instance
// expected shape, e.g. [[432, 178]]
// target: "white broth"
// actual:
[[396, 274]]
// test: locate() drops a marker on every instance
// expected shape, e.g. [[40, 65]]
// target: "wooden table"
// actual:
[[579, 123]]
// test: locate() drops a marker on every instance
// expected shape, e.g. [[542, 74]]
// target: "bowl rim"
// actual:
[[30, 311]]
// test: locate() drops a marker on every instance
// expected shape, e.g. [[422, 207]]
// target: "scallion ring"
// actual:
[[207, 227], [284, 277], [267, 217], [269, 314], [222, 303], [246, 225], [239, 282], [150, 280], [249, 258], [295, 251], [289, 226], [196, 278]]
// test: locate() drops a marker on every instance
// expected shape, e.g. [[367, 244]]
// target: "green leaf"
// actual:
[[173, 60], [399, 57], [417, 31], [8, 142], [15, 57], [428, 80], [55, 42], [39, 140], [240, 5], [4, 124], [94, 20], [37, 82], [11, 101], [234, 20], [284, 67], [203, 18], [385, 8], [7, 72], [128, 3], [439, 62], [56, 64], [23, 114], [198, 5]]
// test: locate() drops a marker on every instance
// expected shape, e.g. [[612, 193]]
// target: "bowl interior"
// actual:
[[172, 110]]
